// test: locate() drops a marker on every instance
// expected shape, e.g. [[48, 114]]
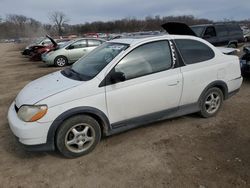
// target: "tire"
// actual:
[[232, 45], [60, 61], [211, 102], [78, 136]]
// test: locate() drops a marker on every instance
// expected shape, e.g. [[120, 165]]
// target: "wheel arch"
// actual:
[[97, 114], [219, 84], [58, 56]]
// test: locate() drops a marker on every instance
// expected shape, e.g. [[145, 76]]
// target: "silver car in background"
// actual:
[[71, 51]]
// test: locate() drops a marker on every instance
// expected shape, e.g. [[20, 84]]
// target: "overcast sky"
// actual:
[[80, 11]]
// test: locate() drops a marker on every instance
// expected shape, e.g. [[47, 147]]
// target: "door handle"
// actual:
[[174, 83]]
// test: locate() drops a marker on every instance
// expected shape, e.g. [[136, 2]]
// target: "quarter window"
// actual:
[[193, 51], [146, 59]]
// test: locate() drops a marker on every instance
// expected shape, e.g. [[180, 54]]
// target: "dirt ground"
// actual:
[[183, 152]]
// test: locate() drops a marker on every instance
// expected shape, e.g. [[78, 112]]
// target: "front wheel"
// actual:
[[60, 61], [211, 102], [78, 136]]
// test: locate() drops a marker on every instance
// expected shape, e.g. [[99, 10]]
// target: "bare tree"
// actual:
[[59, 19]]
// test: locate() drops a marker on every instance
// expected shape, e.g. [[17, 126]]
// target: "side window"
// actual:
[[221, 30], [92, 42], [146, 59], [234, 29], [193, 51], [79, 44], [210, 32]]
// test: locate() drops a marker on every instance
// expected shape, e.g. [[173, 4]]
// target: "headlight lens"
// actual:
[[31, 113]]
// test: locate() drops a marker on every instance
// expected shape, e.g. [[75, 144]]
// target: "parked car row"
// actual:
[[60, 52], [120, 85]]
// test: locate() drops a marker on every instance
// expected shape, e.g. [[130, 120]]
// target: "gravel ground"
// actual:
[[183, 152]]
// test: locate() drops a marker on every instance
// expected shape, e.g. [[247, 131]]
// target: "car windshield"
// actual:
[[198, 30], [90, 65]]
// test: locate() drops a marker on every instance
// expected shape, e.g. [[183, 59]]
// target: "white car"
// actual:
[[120, 85], [71, 51]]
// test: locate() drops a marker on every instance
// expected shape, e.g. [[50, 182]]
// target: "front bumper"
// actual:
[[48, 60], [30, 134]]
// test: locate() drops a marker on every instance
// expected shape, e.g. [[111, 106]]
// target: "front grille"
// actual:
[[16, 108]]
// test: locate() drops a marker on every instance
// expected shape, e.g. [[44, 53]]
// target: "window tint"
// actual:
[[146, 59], [210, 31], [92, 42], [194, 51], [234, 29], [221, 30], [79, 44]]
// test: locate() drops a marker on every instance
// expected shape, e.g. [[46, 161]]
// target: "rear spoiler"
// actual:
[[178, 28]]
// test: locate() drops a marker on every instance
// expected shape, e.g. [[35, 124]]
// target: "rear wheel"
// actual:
[[78, 136], [211, 102], [60, 61]]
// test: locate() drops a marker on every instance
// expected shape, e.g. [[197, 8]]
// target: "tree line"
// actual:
[[19, 26]]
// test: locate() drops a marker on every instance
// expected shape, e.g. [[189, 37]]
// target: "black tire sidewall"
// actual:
[[55, 61], [66, 125], [203, 112]]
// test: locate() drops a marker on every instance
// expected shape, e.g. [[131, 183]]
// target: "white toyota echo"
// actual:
[[120, 85]]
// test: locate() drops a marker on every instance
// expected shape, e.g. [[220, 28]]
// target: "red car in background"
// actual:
[[37, 52]]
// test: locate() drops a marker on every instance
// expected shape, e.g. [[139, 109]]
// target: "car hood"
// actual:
[[228, 51], [177, 28], [44, 87]]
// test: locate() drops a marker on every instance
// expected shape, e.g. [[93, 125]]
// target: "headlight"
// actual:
[[30, 113]]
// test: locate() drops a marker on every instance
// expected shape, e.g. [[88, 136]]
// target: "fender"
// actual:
[[220, 84], [97, 114]]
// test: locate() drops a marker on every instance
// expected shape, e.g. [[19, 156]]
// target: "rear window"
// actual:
[[193, 51]]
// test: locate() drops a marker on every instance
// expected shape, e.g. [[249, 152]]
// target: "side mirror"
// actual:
[[116, 77]]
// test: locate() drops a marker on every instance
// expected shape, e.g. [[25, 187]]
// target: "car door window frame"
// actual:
[[208, 34], [77, 42], [174, 62]]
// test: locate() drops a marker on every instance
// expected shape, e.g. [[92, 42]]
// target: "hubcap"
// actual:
[[61, 61], [79, 138], [212, 102]]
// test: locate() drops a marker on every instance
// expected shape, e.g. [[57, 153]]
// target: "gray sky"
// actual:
[[80, 11]]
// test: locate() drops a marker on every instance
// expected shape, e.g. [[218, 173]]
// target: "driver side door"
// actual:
[[151, 83], [77, 50]]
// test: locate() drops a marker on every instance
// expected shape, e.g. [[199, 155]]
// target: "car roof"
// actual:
[[135, 40]]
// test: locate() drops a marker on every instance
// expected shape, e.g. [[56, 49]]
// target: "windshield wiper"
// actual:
[[71, 73]]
